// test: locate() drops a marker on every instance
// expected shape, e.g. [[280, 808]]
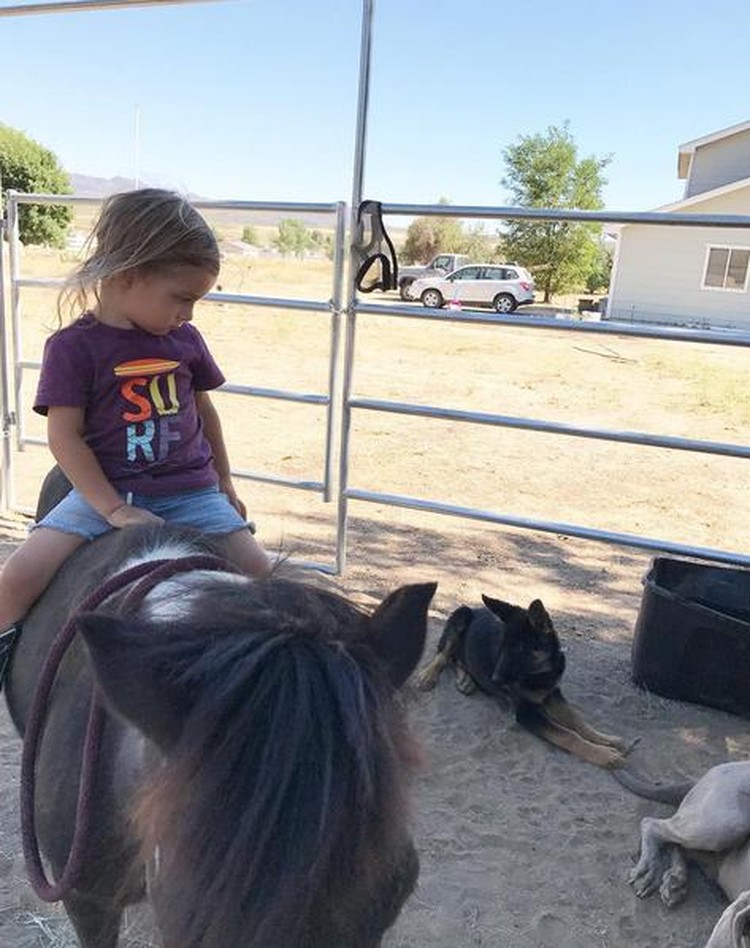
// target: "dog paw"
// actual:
[[674, 887], [609, 757], [625, 746], [464, 682], [425, 680], [643, 880]]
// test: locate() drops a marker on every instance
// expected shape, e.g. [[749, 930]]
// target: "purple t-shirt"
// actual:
[[139, 391]]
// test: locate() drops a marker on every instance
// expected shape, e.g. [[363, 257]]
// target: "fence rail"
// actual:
[[17, 365], [352, 404], [341, 404]]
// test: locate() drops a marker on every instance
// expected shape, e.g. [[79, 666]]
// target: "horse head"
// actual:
[[278, 807]]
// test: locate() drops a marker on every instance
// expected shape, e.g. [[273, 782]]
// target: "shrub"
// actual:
[[27, 166]]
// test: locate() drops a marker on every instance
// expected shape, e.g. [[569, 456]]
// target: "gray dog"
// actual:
[[712, 828]]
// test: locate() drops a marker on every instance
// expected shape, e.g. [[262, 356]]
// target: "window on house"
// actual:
[[726, 268]]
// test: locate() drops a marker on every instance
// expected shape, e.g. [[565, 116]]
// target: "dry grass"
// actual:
[[679, 389], [648, 385]]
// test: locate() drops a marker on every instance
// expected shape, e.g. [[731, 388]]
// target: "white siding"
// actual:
[[659, 272], [719, 163]]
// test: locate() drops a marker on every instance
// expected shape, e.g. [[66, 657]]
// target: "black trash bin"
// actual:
[[692, 635]]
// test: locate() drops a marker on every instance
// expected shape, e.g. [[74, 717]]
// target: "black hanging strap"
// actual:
[[377, 267]]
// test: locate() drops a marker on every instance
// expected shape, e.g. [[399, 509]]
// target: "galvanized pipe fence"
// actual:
[[338, 400], [17, 364], [349, 492]]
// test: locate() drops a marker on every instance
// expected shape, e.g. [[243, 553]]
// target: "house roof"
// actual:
[[690, 202], [686, 151], [706, 195]]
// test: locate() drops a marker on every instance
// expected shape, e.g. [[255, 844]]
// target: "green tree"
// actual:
[[250, 235], [27, 166], [480, 246], [598, 278], [293, 237], [427, 236], [544, 171], [323, 242]]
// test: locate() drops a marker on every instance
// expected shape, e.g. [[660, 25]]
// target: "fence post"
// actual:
[[351, 316], [5, 409]]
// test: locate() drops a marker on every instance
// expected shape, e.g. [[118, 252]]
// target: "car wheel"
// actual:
[[404, 290], [504, 303], [432, 299]]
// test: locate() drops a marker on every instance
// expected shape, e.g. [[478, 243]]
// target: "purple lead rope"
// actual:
[[154, 571]]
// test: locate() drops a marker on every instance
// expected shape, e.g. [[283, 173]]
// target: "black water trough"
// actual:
[[692, 635]]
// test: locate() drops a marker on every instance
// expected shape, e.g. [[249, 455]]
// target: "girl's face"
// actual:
[[157, 303]]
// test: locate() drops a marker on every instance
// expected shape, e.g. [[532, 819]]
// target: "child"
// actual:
[[125, 391]]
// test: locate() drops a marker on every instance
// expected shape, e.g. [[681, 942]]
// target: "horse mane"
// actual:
[[282, 803]]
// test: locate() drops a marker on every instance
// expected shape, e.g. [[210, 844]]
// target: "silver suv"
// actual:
[[503, 286]]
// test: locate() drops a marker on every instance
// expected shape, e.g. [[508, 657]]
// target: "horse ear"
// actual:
[[131, 679], [398, 629], [503, 610]]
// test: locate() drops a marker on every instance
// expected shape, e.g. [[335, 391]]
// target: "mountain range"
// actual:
[[85, 185], [89, 186]]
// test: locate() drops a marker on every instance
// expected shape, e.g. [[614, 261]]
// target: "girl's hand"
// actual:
[[227, 487], [125, 515]]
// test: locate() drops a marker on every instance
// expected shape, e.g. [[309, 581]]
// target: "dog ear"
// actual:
[[539, 617], [503, 610]]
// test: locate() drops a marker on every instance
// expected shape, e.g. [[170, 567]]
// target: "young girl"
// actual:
[[125, 391]]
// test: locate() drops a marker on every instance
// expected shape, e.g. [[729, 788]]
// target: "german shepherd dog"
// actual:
[[514, 655]]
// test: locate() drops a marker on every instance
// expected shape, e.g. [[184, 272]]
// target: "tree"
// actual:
[[250, 235], [323, 242], [27, 166], [427, 236], [599, 278], [480, 246], [293, 237], [544, 171]]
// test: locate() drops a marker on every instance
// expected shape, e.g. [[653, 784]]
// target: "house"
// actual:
[[692, 276]]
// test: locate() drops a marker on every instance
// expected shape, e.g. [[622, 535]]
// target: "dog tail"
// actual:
[[645, 786]]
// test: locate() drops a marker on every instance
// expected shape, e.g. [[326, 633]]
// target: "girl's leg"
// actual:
[[244, 550], [28, 572], [210, 512]]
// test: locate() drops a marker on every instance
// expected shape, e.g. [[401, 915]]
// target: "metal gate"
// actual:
[[17, 364], [495, 323], [338, 400]]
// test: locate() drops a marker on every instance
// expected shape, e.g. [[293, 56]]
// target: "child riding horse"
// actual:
[[252, 754]]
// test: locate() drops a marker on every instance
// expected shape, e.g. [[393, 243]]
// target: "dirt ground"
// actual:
[[521, 845]]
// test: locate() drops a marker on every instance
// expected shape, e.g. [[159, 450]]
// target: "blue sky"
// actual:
[[256, 99]]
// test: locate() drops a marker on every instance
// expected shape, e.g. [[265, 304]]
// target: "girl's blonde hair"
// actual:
[[149, 230]]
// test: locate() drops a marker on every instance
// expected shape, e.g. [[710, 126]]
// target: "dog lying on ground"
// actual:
[[712, 828], [514, 655]]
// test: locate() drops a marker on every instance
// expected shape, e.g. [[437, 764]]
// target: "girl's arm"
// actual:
[[65, 427], [215, 437]]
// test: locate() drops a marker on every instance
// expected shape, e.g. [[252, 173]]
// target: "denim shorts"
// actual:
[[207, 510]]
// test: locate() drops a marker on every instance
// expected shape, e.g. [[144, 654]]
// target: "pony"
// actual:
[[252, 773]]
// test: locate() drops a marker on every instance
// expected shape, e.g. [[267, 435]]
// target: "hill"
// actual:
[[84, 185]]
